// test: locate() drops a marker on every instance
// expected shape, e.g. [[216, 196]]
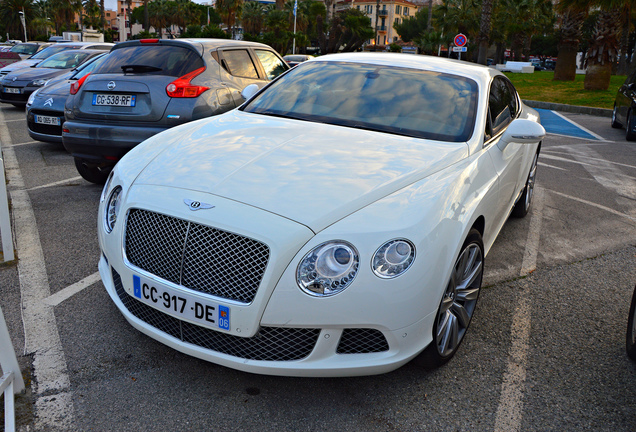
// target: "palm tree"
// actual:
[[252, 18], [571, 22], [484, 30], [229, 11], [158, 15], [603, 51]]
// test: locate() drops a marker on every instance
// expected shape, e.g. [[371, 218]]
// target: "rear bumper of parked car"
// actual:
[[103, 142]]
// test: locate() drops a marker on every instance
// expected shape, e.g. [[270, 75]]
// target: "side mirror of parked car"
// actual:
[[631, 86], [249, 91], [522, 131]]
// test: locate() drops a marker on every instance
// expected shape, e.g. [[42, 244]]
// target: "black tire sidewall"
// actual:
[[630, 347]]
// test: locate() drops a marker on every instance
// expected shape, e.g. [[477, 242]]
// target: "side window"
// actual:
[[271, 63], [240, 63], [501, 106]]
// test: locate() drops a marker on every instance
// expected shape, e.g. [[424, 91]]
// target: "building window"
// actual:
[[398, 9], [406, 11], [396, 21]]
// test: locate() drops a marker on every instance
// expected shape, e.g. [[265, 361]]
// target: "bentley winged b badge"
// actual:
[[197, 205]]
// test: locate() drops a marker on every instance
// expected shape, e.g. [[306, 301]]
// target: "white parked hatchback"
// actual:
[[335, 224]]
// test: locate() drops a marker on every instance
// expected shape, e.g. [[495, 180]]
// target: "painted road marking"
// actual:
[[51, 384], [555, 123]]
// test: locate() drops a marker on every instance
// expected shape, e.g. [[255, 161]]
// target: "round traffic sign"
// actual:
[[460, 40]]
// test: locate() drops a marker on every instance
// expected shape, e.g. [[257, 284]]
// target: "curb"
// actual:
[[601, 112]]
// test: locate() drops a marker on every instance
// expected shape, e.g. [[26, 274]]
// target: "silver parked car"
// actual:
[[51, 50], [150, 85]]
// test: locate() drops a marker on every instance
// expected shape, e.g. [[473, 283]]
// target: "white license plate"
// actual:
[[47, 120], [12, 90], [114, 100], [181, 304]]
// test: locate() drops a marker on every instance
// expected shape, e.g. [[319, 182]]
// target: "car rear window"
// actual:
[[24, 49], [401, 101], [151, 59]]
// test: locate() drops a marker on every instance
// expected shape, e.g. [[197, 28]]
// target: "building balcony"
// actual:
[[381, 28], [383, 13]]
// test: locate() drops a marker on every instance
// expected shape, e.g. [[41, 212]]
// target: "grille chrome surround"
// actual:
[[195, 256], [362, 341], [269, 344]]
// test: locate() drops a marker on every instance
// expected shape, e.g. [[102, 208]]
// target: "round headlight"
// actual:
[[393, 258], [112, 209], [328, 268]]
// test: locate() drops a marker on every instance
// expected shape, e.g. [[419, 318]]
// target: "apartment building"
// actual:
[[383, 15]]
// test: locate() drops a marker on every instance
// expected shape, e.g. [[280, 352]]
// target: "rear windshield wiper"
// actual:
[[140, 68]]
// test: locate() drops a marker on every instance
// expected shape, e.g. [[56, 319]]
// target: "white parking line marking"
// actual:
[[598, 206], [609, 176], [588, 158], [26, 143], [510, 409], [579, 126], [57, 183], [71, 290], [551, 166], [51, 384], [570, 136], [14, 120]]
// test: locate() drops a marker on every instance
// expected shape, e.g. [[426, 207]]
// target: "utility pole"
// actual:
[[377, 15]]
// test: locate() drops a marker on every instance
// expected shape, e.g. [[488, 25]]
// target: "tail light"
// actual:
[[145, 41], [77, 84], [182, 88]]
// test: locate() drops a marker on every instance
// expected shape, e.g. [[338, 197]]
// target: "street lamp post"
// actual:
[[23, 23]]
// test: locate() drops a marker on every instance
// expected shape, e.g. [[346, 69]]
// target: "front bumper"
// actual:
[[326, 351]]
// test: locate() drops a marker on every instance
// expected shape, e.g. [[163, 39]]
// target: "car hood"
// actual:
[[35, 73], [20, 65], [312, 173], [60, 88]]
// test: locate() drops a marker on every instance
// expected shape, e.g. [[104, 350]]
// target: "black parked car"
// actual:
[[624, 113], [150, 85]]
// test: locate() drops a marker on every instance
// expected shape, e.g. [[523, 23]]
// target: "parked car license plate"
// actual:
[[181, 304], [12, 90], [47, 120], [114, 100]]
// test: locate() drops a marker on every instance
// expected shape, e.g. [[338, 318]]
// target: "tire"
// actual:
[[522, 207], [630, 135], [458, 303], [630, 343], [615, 123], [92, 172]]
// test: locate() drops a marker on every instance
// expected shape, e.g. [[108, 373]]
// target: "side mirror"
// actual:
[[249, 91], [522, 131]]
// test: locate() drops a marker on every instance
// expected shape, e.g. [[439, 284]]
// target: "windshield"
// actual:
[[64, 60], [24, 49], [88, 67], [48, 52], [389, 99]]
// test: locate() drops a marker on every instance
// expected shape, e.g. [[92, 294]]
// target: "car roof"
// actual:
[[198, 44], [475, 71]]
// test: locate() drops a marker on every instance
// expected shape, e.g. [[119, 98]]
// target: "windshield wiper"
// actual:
[[140, 68]]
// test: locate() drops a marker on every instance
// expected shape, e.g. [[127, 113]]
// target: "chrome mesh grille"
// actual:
[[195, 256], [362, 341], [269, 344]]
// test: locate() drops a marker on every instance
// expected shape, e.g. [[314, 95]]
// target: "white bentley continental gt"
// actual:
[[335, 224]]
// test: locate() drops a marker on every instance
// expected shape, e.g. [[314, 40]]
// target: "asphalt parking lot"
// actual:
[[545, 350]]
